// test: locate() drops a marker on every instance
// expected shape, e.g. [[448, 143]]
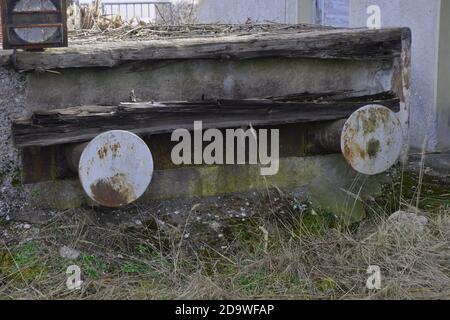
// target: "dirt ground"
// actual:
[[257, 245]]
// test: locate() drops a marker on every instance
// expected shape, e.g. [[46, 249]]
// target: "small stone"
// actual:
[[215, 226], [69, 253], [407, 221], [26, 226]]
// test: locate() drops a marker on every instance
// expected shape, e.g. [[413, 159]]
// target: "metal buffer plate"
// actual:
[[115, 168], [372, 139]]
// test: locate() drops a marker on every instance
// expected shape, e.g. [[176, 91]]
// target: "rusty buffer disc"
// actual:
[[115, 168], [372, 139]]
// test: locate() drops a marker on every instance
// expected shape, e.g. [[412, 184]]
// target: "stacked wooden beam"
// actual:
[[348, 44], [79, 124]]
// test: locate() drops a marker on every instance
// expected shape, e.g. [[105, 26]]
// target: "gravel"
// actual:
[[12, 104]]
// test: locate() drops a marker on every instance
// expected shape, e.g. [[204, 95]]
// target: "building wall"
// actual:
[[331, 12], [238, 11], [443, 83], [422, 17], [305, 10], [1, 39]]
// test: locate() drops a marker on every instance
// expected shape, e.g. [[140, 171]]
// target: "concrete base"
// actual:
[[327, 181], [437, 165], [204, 79]]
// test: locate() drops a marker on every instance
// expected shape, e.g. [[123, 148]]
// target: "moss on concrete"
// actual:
[[404, 190], [325, 180], [60, 195]]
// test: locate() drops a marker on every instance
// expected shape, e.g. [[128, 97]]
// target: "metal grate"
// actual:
[[33, 24], [150, 11]]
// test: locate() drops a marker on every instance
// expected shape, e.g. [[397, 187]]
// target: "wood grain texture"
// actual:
[[84, 123], [354, 44]]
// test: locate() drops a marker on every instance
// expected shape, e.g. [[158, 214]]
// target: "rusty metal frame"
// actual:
[[33, 21]]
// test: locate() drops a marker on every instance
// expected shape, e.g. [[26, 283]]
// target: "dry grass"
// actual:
[[88, 24], [285, 250], [114, 29]]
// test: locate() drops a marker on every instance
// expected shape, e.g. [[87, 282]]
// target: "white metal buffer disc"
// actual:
[[372, 139], [115, 168]]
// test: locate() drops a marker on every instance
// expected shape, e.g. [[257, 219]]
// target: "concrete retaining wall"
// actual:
[[327, 180], [194, 80]]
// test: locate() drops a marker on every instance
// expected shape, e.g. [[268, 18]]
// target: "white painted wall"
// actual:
[[238, 11], [422, 16]]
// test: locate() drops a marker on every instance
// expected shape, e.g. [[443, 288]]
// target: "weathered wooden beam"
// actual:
[[355, 44], [83, 123]]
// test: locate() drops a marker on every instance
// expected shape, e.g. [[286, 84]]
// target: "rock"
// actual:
[[216, 226], [69, 253], [407, 222]]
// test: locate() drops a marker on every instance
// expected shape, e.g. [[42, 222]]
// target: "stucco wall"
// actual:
[[422, 17]]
